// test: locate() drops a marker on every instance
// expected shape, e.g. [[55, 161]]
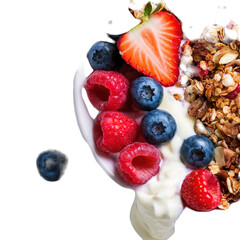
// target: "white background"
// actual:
[[41, 45]]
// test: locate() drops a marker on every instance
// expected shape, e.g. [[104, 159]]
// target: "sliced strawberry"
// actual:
[[152, 47]]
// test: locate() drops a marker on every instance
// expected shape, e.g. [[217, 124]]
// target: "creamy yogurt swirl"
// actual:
[[158, 203]]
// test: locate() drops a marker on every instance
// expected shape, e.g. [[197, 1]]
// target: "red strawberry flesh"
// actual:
[[153, 47], [201, 190]]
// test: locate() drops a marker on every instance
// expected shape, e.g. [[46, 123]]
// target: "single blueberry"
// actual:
[[51, 165], [158, 126], [196, 151], [146, 93], [104, 56]]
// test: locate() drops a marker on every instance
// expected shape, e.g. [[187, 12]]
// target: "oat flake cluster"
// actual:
[[212, 87]]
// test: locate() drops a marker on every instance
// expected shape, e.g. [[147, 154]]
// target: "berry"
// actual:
[[201, 190], [233, 94], [104, 56], [114, 37], [147, 93], [202, 69], [107, 90], [114, 130], [158, 126], [129, 72], [51, 165], [152, 47], [139, 162], [196, 151]]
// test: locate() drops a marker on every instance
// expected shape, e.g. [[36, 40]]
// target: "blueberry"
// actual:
[[51, 165], [104, 56], [158, 126], [196, 151], [146, 93]]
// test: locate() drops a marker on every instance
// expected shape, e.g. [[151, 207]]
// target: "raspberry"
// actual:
[[114, 130], [202, 70], [201, 190], [233, 94], [139, 162], [107, 90]]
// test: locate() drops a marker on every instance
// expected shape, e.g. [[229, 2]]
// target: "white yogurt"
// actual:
[[158, 204]]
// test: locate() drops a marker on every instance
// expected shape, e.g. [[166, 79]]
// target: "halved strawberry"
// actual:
[[152, 47]]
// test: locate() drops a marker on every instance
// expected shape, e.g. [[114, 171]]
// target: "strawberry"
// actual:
[[152, 47], [201, 190]]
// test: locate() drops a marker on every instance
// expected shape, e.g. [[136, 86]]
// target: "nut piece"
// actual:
[[198, 108], [219, 156], [227, 80], [177, 96], [230, 129], [234, 63], [217, 77], [201, 49], [230, 157], [199, 128], [225, 55], [184, 79], [189, 94]]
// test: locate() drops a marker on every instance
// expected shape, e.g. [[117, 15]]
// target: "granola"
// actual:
[[212, 88]]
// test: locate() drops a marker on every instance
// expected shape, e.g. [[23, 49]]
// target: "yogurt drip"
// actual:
[[158, 204]]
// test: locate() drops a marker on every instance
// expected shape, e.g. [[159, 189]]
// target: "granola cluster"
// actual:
[[211, 78]]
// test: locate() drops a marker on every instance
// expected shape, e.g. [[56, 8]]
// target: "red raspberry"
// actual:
[[202, 72], [114, 130], [139, 162], [107, 90], [233, 94], [201, 190]]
